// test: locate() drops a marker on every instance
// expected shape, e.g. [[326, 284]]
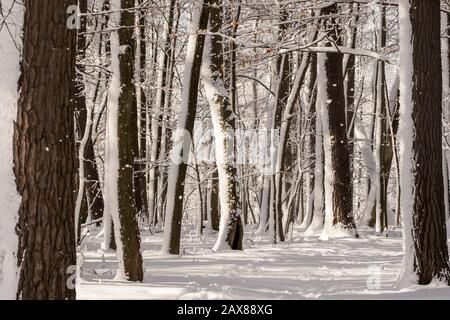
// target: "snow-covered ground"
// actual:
[[301, 268]]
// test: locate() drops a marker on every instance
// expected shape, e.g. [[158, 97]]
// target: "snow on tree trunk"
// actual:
[[422, 190], [369, 159], [316, 226], [223, 119], [9, 71], [338, 215], [338, 188], [310, 143], [120, 142], [183, 134]]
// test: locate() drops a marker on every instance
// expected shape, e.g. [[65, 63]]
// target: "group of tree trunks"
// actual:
[[45, 146]]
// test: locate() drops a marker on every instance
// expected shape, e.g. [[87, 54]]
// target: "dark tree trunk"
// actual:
[[128, 148], [350, 71], [282, 95], [140, 180], [224, 117], [175, 191], [213, 199], [44, 153], [428, 210], [342, 203]]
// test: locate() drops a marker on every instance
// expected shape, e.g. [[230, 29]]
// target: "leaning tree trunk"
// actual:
[[182, 142], [122, 145], [338, 188], [44, 153], [422, 191], [223, 118]]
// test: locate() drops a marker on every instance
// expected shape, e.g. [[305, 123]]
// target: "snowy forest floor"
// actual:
[[301, 268]]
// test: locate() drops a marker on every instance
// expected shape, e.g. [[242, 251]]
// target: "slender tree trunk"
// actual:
[[165, 54], [90, 195], [381, 146], [282, 94], [213, 202], [140, 181], [311, 142], [122, 144], [182, 138], [44, 153], [350, 79]]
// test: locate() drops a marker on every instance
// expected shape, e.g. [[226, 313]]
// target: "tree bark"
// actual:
[[337, 161], [422, 191], [44, 153]]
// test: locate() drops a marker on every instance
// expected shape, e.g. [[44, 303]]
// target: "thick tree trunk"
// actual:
[[44, 153], [422, 192], [338, 187]]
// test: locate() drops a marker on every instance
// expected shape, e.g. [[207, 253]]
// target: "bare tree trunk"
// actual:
[[140, 181], [231, 229], [213, 202], [338, 188], [122, 144], [181, 147], [382, 146], [311, 142], [44, 153], [422, 193]]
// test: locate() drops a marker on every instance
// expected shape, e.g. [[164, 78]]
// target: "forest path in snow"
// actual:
[[300, 268]]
